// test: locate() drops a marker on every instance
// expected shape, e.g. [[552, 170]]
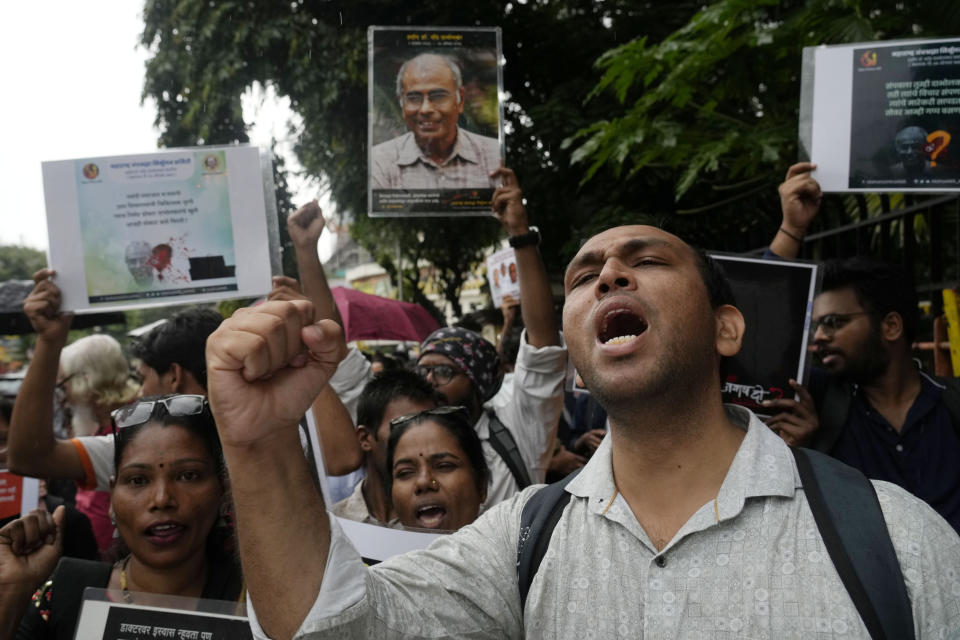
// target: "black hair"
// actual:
[[880, 288], [390, 385], [221, 541], [719, 292], [714, 279], [200, 425], [460, 428], [389, 362], [510, 345], [181, 340], [6, 408]]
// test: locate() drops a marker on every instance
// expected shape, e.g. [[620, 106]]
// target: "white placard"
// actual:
[[379, 543], [177, 226], [883, 116], [502, 276]]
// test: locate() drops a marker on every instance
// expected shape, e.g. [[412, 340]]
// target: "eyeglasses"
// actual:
[[438, 97], [137, 413], [442, 373], [833, 321], [60, 389], [437, 411]]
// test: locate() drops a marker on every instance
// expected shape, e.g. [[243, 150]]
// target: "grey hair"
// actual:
[[451, 64]]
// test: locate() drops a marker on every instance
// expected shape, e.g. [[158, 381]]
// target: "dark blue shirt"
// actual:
[[923, 458]]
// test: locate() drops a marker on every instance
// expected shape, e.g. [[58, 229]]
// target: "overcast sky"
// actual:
[[73, 74]]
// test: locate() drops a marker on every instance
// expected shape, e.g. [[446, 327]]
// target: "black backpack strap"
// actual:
[[506, 447], [537, 521], [847, 512]]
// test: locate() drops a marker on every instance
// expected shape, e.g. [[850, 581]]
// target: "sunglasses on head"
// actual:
[[137, 413], [438, 411]]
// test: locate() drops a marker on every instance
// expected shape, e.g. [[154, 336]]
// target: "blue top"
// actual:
[[923, 458]]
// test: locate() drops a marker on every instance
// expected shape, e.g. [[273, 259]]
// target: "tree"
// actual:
[[715, 104], [20, 263], [203, 56]]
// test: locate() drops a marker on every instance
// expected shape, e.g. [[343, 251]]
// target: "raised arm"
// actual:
[[536, 299], [800, 198], [305, 226], [29, 549], [32, 448], [335, 429], [265, 366]]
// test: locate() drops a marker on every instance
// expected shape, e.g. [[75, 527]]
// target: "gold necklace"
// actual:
[[123, 581]]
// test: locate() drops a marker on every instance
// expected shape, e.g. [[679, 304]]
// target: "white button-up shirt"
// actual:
[[762, 571]]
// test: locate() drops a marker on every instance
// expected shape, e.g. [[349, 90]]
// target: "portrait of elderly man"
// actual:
[[435, 153]]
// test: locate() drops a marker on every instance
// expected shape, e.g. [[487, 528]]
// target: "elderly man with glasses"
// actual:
[[436, 153]]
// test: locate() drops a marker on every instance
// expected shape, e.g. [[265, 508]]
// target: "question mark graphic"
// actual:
[[937, 142]]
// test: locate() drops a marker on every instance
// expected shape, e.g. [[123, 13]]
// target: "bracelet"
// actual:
[[528, 239], [791, 236]]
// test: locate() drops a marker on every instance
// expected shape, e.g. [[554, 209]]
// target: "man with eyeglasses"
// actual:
[[436, 153], [869, 406]]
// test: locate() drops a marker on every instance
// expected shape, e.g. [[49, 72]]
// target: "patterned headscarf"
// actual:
[[473, 355]]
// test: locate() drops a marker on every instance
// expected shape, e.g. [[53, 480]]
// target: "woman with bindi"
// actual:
[[166, 498], [438, 471]]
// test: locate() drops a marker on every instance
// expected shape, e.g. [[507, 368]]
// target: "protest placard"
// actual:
[[185, 225], [18, 495], [883, 116], [435, 128], [776, 299], [502, 276], [120, 615]]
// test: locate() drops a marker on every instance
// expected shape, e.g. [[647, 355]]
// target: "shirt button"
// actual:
[[661, 561], [900, 447]]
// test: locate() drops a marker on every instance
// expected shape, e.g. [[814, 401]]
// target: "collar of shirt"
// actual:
[[930, 396], [410, 153], [763, 466], [354, 507]]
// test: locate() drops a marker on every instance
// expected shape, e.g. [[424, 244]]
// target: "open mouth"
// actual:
[[431, 515], [828, 357], [165, 532], [620, 325]]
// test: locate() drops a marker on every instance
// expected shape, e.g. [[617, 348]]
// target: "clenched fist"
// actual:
[[265, 366]]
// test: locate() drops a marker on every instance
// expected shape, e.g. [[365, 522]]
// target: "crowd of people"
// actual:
[[186, 472]]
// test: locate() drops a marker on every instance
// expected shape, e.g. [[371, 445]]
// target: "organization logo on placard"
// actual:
[[91, 171], [868, 58], [211, 163]]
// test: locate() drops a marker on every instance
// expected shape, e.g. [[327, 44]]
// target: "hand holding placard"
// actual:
[[797, 421], [800, 198], [508, 203], [42, 308]]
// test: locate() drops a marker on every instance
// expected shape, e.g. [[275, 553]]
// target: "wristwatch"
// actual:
[[529, 239]]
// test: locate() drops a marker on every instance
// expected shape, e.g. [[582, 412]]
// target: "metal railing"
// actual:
[[923, 235]]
